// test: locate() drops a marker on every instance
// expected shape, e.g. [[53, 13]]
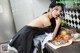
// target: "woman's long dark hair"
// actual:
[[53, 4]]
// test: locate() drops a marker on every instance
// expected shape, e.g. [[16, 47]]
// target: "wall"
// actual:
[[24, 11], [40, 6], [7, 30]]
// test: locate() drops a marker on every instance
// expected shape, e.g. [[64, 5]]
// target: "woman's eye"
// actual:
[[56, 9]]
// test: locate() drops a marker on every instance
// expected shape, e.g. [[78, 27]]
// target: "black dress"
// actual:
[[23, 40]]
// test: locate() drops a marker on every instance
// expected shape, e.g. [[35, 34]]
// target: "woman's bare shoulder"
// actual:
[[45, 20], [43, 17]]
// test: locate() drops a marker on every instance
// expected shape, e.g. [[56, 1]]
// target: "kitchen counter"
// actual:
[[73, 48]]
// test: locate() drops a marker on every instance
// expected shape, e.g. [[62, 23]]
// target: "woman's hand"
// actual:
[[50, 40], [58, 21]]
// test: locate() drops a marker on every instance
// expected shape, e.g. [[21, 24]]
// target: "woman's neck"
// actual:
[[48, 15]]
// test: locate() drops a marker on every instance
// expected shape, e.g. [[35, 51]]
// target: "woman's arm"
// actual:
[[58, 22]]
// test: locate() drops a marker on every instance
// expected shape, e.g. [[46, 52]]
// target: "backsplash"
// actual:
[[72, 17]]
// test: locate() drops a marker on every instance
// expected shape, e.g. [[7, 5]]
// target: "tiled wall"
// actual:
[[72, 17], [71, 14]]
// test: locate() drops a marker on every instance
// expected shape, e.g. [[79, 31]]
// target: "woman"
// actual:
[[48, 22]]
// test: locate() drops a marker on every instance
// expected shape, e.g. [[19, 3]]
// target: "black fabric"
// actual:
[[49, 29], [23, 40]]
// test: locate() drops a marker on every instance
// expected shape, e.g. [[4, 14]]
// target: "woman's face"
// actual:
[[55, 12]]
